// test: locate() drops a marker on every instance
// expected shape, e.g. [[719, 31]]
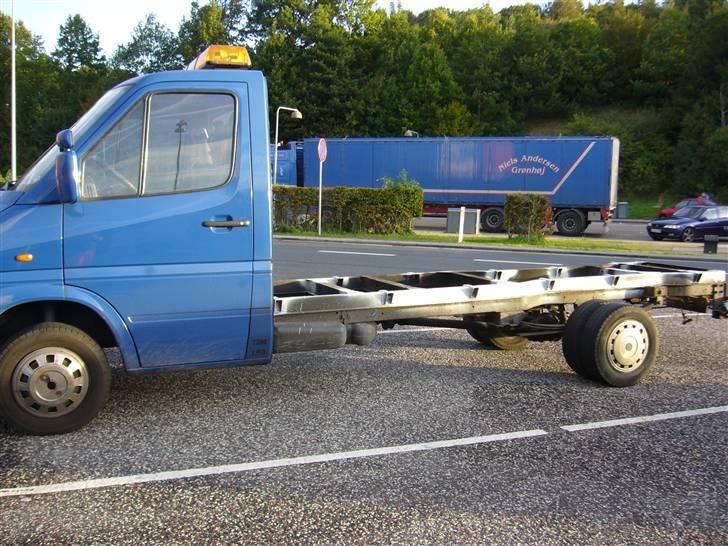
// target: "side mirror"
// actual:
[[64, 139], [67, 176]]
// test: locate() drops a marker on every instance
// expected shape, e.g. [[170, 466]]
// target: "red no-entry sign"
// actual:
[[322, 150]]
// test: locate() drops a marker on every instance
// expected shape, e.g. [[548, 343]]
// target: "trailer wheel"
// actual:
[[619, 345], [53, 379], [493, 337], [573, 333], [571, 223], [492, 220]]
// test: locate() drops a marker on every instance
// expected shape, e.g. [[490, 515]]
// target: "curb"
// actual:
[[431, 244]]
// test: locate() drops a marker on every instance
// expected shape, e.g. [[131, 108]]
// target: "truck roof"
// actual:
[[219, 74]]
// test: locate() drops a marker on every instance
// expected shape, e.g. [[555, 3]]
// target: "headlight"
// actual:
[[671, 226]]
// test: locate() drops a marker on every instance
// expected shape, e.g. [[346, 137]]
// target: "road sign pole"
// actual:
[[322, 153], [321, 192]]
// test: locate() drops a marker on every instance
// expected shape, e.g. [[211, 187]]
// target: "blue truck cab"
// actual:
[[146, 227]]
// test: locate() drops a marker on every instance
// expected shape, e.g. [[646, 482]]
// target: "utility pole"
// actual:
[[13, 131]]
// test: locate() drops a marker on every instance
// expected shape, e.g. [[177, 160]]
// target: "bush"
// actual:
[[527, 214], [387, 210]]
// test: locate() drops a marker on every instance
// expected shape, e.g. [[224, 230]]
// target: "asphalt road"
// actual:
[[296, 259], [424, 437], [627, 231]]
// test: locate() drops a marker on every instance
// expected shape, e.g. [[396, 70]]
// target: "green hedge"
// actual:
[[387, 210], [527, 214]]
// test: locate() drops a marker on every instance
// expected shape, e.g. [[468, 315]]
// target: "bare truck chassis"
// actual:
[[597, 311]]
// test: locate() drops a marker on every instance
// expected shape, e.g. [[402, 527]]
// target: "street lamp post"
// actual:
[[295, 114], [13, 125]]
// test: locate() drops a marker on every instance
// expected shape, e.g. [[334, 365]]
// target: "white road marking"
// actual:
[[645, 419], [514, 262], [356, 253], [120, 481], [83, 485]]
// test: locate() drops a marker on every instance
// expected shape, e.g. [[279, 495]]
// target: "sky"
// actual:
[[114, 20]]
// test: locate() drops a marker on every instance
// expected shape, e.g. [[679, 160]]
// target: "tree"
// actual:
[[205, 26], [666, 54], [454, 119], [476, 59], [560, 10], [37, 89], [582, 63], [623, 34], [78, 46], [153, 47]]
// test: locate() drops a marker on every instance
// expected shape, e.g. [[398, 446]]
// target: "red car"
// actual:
[[687, 202]]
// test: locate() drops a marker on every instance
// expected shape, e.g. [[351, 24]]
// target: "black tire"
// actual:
[[619, 345], [571, 223], [492, 337], [573, 334], [492, 219], [53, 379], [688, 235]]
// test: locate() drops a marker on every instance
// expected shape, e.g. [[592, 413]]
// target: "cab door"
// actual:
[[162, 228]]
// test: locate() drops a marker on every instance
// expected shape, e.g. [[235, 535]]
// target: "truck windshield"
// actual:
[[48, 160]]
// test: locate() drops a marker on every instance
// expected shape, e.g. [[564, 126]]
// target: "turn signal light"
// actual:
[[24, 257]]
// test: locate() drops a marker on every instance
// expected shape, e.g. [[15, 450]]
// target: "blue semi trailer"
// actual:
[[579, 175], [147, 228]]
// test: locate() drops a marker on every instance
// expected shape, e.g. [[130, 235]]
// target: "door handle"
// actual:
[[226, 223]]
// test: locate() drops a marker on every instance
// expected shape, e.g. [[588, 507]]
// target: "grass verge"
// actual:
[[518, 242]]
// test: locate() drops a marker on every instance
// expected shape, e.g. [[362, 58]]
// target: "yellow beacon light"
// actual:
[[221, 56]]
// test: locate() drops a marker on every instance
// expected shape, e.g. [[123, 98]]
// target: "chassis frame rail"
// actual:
[[375, 299]]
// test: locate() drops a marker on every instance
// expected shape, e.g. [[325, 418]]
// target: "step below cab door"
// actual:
[[163, 229]]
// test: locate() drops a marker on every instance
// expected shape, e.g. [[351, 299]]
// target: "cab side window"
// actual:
[[111, 168], [190, 142]]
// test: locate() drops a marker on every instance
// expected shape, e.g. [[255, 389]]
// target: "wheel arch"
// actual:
[[76, 307]]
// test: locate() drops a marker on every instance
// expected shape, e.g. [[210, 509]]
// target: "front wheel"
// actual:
[[688, 235], [53, 379]]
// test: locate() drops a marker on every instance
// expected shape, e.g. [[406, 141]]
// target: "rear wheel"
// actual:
[[571, 223], [573, 334], [495, 337], [491, 220], [619, 344], [53, 378]]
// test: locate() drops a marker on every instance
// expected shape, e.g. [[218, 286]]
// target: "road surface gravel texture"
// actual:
[[661, 481]]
